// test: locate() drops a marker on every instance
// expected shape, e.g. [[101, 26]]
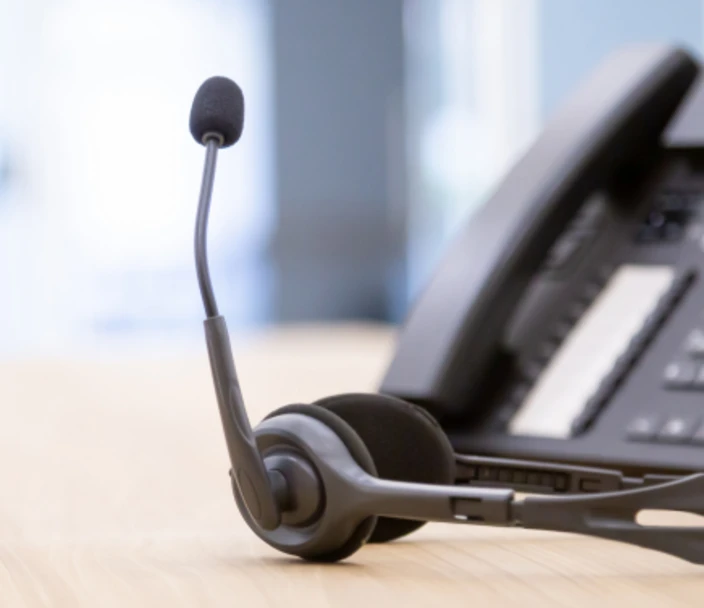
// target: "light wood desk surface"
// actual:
[[114, 492]]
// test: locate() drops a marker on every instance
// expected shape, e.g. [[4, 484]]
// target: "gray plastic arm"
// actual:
[[612, 516], [437, 503]]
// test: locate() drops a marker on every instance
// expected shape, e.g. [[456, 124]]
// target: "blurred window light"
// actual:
[[107, 174], [473, 107], [483, 76]]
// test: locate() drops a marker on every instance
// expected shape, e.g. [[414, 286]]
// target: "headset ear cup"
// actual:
[[406, 443], [361, 455]]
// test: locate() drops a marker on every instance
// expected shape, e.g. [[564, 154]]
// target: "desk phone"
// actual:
[[566, 321]]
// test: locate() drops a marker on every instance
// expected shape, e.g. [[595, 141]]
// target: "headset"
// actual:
[[321, 480]]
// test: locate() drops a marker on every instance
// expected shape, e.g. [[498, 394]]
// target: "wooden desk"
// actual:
[[114, 492]]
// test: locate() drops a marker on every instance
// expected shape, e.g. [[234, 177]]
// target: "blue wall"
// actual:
[[575, 35]]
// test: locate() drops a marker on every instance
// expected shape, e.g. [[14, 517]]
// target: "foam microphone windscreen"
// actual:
[[218, 107]]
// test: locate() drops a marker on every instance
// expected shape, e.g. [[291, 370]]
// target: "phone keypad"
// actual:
[[678, 374], [685, 371]]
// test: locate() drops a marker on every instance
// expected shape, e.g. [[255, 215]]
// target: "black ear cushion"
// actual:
[[406, 443], [361, 455]]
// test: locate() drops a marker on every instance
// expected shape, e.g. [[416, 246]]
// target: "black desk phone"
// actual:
[[565, 323]]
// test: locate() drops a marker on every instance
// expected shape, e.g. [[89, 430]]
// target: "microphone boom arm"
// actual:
[[201, 249], [248, 470]]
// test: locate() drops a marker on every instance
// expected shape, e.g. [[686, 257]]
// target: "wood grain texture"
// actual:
[[114, 492]]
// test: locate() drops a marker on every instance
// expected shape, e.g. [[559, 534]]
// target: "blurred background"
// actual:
[[373, 130]]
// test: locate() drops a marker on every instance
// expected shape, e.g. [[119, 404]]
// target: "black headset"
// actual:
[[320, 480]]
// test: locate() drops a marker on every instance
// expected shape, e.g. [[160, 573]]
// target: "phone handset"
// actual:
[[455, 327]]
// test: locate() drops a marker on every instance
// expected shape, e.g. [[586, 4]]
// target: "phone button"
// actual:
[[677, 430], [699, 379], [562, 252], [694, 344], [698, 436], [643, 428], [679, 374]]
